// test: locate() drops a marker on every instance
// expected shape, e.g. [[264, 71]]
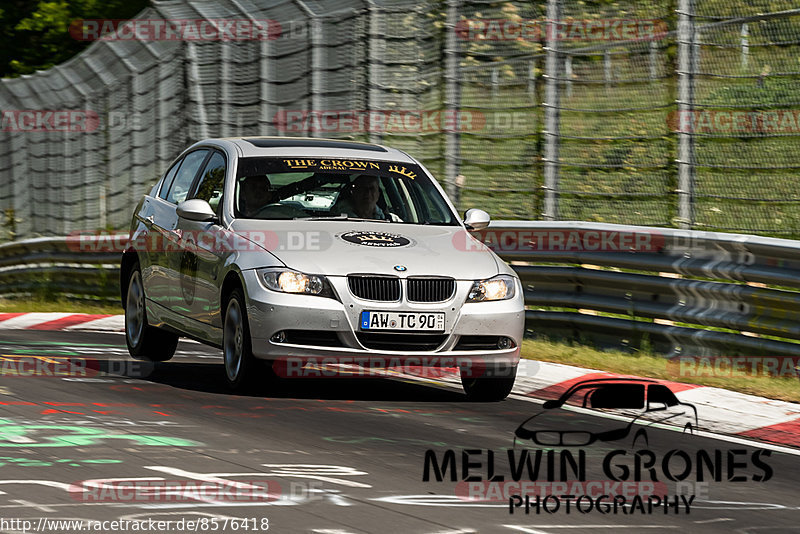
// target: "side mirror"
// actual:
[[476, 219], [196, 210]]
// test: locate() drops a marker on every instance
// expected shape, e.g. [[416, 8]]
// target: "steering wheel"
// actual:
[[277, 209]]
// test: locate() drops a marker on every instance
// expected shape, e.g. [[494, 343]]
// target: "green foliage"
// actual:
[[36, 35], [8, 227]]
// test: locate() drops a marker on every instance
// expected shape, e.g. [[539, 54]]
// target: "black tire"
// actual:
[[489, 388], [145, 342], [240, 366]]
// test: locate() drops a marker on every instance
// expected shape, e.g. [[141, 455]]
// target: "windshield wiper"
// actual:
[[341, 217]]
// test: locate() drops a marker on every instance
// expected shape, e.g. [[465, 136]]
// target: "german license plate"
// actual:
[[402, 321]]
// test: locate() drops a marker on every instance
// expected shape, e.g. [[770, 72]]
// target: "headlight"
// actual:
[[497, 288], [286, 281]]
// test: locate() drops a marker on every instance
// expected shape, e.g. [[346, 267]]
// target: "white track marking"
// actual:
[[31, 319]]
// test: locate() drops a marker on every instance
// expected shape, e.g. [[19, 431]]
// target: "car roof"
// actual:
[[613, 381], [305, 147]]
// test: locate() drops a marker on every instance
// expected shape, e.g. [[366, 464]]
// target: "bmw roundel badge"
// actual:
[[400, 268]]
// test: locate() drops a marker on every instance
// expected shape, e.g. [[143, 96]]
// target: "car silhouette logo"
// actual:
[[639, 402]]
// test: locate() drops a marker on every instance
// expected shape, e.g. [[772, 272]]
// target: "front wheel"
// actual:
[[489, 388], [144, 342], [237, 350]]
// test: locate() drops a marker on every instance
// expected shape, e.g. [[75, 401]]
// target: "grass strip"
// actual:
[[654, 366]]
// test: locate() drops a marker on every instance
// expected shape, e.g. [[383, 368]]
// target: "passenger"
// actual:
[[255, 193]]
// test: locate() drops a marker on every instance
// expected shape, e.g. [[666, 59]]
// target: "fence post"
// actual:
[[687, 66], [532, 78], [653, 60], [195, 91], [162, 113], [745, 45], [452, 94], [317, 40], [224, 90], [376, 52], [265, 93], [568, 74], [551, 113]]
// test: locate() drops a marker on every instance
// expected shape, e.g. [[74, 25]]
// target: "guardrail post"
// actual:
[[687, 66], [551, 112]]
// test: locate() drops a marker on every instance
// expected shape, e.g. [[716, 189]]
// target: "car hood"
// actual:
[[339, 248]]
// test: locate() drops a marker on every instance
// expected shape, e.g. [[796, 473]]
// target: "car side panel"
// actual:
[[160, 276]]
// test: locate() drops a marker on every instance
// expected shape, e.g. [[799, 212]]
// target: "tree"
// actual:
[[37, 34]]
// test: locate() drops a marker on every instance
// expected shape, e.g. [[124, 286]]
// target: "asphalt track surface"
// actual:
[[338, 455]]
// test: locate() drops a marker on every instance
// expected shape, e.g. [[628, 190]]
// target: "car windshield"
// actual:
[[338, 189]]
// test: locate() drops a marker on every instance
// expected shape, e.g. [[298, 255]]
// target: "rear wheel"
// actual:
[[489, 388], [144, 342], [237, 350]]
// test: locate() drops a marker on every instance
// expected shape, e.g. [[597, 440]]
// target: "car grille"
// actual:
[[430, 289], [477, 343], [380, 288], [407, 342]]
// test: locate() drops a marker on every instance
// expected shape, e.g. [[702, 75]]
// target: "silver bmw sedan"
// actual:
[[312, 257]]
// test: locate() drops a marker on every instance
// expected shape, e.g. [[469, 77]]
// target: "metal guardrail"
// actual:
[[667, 290], [672, 291], [60, 267]]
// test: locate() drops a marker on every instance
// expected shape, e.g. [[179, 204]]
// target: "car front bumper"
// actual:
[[337, 323]]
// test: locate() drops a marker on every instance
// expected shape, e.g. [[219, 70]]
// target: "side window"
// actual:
[[660, 393], [212, 181], [185, 176], [165, 185]]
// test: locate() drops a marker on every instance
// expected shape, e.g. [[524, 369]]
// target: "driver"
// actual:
[[255, 192], [363, 200]]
